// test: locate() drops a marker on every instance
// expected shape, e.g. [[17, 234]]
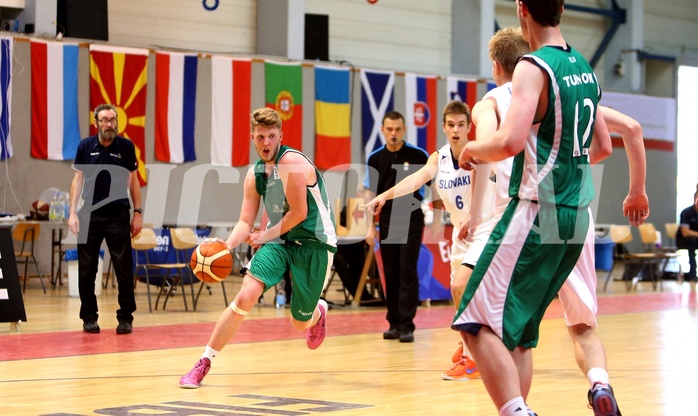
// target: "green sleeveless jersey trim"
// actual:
[[318, 228], [554, 166]]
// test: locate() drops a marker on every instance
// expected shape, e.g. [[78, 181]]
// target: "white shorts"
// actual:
[[578, 294], [467, 252], [476, 243]]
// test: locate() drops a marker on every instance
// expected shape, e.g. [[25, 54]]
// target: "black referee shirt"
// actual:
[[386, 168], [92, 158]]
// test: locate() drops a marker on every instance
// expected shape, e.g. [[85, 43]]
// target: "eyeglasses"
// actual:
[[107, 121]]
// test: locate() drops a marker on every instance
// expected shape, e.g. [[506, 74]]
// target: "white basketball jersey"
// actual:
[[453, 186], [502, 96]]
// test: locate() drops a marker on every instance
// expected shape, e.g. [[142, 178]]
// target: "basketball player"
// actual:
[[578, 294], [300, 238], [452, 185], [537, 242]]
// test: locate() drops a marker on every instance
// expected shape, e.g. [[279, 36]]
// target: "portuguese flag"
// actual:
[[284, 93]]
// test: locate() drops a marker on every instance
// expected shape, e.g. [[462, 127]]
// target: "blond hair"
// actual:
[[265, 117], [507, 46]]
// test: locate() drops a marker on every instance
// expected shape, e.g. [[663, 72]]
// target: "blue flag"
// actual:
[[377, 98], [6, 45]]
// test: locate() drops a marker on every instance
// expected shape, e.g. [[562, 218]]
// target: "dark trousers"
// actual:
[[114, 226], [690, 244], [401, 276], [349, 262]]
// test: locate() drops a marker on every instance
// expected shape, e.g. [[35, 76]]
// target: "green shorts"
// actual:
[[310, 268], [530, 253]]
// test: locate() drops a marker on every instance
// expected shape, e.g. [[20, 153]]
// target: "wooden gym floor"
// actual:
[[51, 368]]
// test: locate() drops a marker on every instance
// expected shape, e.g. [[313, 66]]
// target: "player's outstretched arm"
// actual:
[[406, 186]]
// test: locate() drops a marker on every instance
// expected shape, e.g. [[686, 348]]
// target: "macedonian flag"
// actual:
[[119, 76]]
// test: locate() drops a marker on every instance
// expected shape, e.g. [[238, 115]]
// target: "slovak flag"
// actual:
[[464, 90], [175, 106], [421, 114], [55, 128]]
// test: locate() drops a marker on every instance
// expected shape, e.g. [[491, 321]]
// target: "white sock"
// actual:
[[597, 375], [209, 353], [514, 407]]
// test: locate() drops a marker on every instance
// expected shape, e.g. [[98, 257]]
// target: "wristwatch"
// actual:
[[138, 210]]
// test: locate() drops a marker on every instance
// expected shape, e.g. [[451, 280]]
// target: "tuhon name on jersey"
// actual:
[[580, 79]]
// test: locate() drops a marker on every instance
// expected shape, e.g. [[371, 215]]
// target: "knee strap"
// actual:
[[237, 310]]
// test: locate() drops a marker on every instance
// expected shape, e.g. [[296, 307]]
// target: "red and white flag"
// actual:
[[231, 92]]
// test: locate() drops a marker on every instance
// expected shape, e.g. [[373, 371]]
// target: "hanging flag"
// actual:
[[464, 90], [332, 117], [119, 76], [6, 48], [231, 95], [491, 85], [377, 99], [175, 106], [55, 129], [284, 93], [421, 116]]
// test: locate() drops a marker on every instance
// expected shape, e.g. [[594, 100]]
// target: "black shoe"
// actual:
[[602, 401], [124, 328], [690, 277], [90, 327], [406, 336], [392, 333]]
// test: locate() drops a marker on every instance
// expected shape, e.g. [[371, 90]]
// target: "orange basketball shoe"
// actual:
[[464, 369], [458, 355]]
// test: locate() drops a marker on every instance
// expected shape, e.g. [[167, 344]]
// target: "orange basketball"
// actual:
[[211, 262]]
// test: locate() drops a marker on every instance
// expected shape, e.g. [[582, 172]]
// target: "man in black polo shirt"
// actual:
[[687, 237], [105, 170], [401, 225]]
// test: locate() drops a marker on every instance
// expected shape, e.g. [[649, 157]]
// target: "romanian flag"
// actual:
[[55, 130], [464, 90], [119, 76], [6, 48], [284, 93], [332, 117], [231, 95], [421, 116], [175, 106]]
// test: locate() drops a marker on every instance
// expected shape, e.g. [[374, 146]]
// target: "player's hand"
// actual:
[[463, 230], [466, 160], [374, 206], [255, 239], [636, 208]]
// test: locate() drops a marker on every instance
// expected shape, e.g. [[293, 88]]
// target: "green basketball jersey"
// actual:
[[554, 166], [318, 228]]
